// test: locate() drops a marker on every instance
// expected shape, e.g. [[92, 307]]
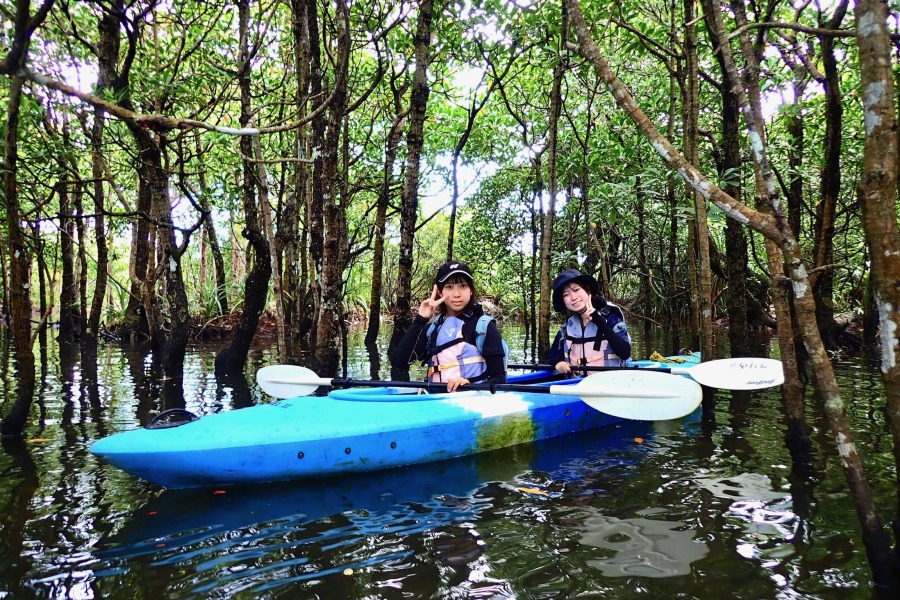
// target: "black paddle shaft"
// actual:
[[589, 368], [441, 387]]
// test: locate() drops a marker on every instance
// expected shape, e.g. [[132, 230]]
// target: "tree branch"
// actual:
[[162, 123], [838, 33]]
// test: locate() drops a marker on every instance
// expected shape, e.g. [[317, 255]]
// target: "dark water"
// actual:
[[703, 507]]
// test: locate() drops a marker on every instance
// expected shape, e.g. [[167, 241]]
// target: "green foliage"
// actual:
[[114, 309], [209, 299], [357, 289], [489, 58]]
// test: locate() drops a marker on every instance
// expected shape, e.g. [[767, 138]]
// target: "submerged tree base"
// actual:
[[202, 329]]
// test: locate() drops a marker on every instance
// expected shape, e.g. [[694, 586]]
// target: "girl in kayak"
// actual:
[[595, 332], [462, 345]]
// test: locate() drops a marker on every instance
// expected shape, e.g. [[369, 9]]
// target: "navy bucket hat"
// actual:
[[572, 276]]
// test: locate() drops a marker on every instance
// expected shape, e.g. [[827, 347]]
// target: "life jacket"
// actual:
[[451, 355], [583, 344]]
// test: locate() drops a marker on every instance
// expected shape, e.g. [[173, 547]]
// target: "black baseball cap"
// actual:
[[453, 267]]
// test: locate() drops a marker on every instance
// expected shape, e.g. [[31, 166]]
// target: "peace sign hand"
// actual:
[[428, 306]]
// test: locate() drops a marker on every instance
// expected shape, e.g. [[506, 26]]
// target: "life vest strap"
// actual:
[[582, 340], [463, 361], [449, 344], [600, 357]]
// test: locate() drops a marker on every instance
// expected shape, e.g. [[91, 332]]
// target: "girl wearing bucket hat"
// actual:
[[595, 333], [462, 345]]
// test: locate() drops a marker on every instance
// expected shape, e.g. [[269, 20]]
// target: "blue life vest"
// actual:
[[440, 366], [451, 355]]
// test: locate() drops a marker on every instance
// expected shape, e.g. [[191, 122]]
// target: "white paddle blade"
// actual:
[[736, 373], [289, 381], [636, 395]]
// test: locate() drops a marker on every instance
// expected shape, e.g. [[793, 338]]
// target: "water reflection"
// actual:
[[642, 547], [20, 482], [367, 503], [374, 354], [262, 537], [712, 501], [741, 487]]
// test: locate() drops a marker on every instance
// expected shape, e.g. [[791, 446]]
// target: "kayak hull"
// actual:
[[340, 433], [283, 440]]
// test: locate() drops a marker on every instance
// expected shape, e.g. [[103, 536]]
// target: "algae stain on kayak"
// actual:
[[504, 431]]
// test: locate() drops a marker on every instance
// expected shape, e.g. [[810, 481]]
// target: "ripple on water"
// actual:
[[641, 547]]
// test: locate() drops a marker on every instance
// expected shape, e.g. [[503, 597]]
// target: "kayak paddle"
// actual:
[[629, 394], [726, 374]]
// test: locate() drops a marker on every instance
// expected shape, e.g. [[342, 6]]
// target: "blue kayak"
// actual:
[[350, 430]]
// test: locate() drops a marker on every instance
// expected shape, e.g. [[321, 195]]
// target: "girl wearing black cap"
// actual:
[[595, 332], [462, 345]]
